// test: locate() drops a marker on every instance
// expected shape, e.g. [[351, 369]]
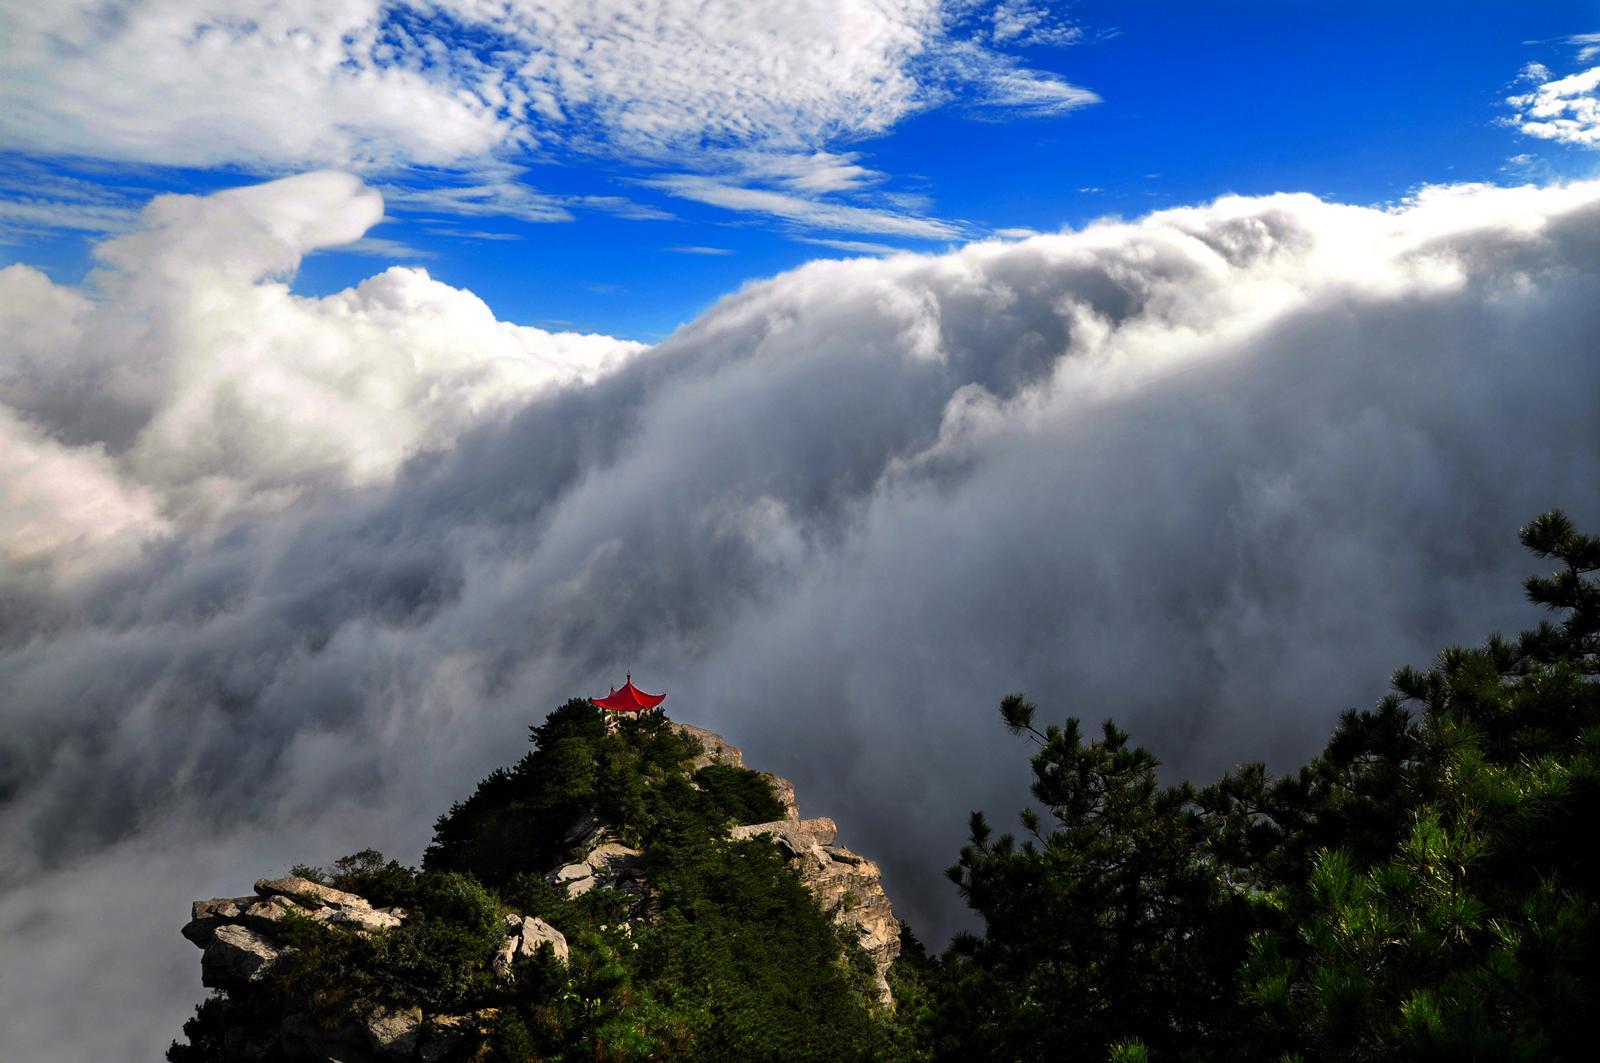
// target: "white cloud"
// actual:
[[35, 200], [698, 249], [813, 173], [28, 216], [1023, 23], [1007, 88], [623, 207], [855, 247], [378, 86], [492, 191], [1588, 45], [280, 83], [383, 247], [360, 82], [207, 388], [65, 509], [473, 234], [884, 492], [646, 82], [803, 210], [1565, 110]]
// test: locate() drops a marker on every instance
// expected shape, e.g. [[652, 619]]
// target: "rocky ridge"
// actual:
[[237, 934]]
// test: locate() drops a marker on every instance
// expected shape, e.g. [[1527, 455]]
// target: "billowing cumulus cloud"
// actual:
[[1215, 471], [201, 377]]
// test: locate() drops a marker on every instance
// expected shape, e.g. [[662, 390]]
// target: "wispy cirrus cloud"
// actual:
[[623, 207], [854, 247], [35, 200], [466, 90], [383, 247], [491, 192], [805, 211], [472, 234]]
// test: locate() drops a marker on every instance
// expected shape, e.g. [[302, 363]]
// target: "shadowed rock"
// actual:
[[207, 916], [236, 955]]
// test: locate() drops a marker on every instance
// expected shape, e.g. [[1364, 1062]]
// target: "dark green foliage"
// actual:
[[333, 973], [1108, 924], [912, 980], [1475, 933], [1419, 891], [743, 794], [312, 874], [386, 883], [517, 821], [205, 1033], [745, 956], [517, 818], [437, 957]]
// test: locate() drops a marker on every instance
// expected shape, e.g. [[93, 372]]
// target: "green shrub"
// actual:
[[744, 795]]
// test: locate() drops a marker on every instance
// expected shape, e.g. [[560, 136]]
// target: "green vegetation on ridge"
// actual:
[[740, 964]]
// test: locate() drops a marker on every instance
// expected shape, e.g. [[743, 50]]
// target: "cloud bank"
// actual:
[[284, 576]]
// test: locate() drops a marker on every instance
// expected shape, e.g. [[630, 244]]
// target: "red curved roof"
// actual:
[[629, 699]]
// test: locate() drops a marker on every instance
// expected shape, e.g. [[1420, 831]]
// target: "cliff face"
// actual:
[[246, 940]]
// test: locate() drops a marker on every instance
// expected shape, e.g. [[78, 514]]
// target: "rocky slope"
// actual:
[[243, 946]]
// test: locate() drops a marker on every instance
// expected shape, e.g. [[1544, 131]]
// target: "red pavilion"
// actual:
[[629, 699]]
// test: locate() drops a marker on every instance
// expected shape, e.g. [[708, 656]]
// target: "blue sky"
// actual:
[[1175, 103]]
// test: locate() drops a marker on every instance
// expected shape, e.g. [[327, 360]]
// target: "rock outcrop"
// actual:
[[524, 936], [608, 864], [236, 932], [715, 749], [236, 955]]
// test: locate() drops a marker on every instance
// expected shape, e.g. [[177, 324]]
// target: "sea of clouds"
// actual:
[[282, 576]]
